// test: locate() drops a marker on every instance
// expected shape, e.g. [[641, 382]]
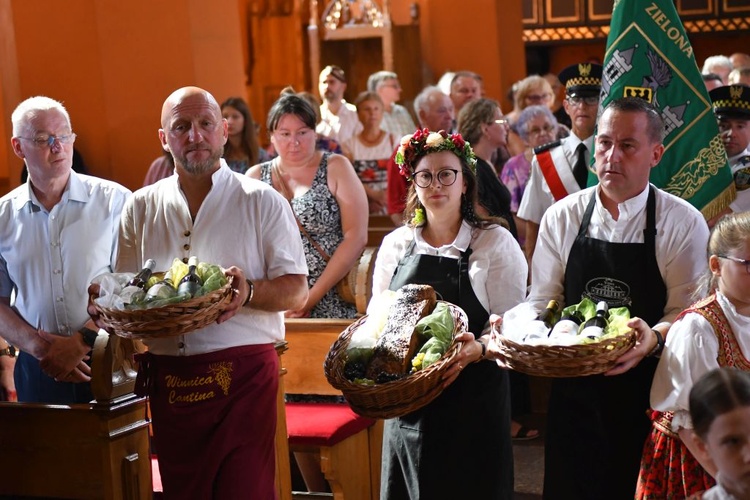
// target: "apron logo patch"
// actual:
[[614, 292], [200, 387], [223, 373]]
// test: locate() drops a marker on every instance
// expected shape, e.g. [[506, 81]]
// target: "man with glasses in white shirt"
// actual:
[[57, 232], [561, 167]]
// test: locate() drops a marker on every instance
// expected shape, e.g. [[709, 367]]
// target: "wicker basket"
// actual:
[[563, 361], [399, 397], [170, 320]]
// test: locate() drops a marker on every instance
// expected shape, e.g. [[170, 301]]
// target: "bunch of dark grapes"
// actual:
[[384, 377], [354, 370]]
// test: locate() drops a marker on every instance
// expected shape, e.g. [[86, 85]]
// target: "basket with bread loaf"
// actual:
[[391, 362]]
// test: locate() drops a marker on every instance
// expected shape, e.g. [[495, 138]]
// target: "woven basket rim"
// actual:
[[563, 361], [407, 394], [169, 320]]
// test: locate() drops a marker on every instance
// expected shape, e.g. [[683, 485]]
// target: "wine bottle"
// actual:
[[142, 277], [594, 327], [540, 327], [550, 314], [568, 324], [162, 289], [191, 282]]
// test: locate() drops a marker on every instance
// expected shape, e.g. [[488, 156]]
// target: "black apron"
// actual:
[[459, 445], [597, 425]]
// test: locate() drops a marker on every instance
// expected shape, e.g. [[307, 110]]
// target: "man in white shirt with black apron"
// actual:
[[628, 243]]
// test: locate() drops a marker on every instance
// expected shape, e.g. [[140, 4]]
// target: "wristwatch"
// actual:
[[250, 294], [9, 351], [89, 336]]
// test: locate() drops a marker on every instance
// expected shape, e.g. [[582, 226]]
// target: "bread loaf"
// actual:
[[398, 343]]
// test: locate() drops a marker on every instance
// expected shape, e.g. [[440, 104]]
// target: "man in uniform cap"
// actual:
[[338, 118], [732, 108], [561, 167]]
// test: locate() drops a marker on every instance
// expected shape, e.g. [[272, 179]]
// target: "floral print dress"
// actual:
[[318, 211]]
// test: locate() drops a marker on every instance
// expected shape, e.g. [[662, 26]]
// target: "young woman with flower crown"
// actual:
[[459, 445]]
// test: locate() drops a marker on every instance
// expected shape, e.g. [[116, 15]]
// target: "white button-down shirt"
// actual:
[[497, 266], [48, 258], [537, 197], [339, 127], [242, 222]]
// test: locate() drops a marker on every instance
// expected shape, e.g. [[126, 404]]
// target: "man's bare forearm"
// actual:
[[288, 292], [16, 331]]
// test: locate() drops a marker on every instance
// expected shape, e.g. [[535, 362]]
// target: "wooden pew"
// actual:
[[352, 467], [84, 451]]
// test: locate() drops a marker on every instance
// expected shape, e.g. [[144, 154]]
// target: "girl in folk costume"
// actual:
[[712, 333]]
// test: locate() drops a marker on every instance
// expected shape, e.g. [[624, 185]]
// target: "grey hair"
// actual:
[[530, 113], [712, 61], [376, 80], [29, 108], [420, 102]]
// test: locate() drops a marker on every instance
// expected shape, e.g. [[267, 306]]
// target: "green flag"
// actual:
[[649, 56]]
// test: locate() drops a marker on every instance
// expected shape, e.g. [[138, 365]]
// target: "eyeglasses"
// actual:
[[446, 177], [746, 263], [392, 85], [588, 101], [502, 121], [49, 140], [547, 129]]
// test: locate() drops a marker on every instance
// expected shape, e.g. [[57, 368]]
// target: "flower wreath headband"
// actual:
[[423, 142]]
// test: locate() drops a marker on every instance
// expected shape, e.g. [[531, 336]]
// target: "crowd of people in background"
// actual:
[[531, 204]]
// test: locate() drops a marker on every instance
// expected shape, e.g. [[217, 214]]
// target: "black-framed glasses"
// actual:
[[744, 262], [49, 140], [588, 101], [446, 177]]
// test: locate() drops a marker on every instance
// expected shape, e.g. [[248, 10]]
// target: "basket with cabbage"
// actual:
[[569, 354], [163, 306], [391, 362]]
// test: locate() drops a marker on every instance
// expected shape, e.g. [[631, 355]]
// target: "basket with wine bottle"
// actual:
[[582, 339], [154, 305]]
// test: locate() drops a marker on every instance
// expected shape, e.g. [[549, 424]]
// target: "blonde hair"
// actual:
[[527, 85], [730, 233]]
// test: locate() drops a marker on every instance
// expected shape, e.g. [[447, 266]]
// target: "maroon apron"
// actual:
[[214, 421]]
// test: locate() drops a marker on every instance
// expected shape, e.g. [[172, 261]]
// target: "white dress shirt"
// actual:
[[537, 197], [497, 266], [339, 127], [690, 353], [48, 258], [681, 239], [242, 222]]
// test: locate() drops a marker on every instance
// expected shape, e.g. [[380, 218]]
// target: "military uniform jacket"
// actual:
[[539, 195]]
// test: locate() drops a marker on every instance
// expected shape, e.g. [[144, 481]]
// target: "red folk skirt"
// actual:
[[214, 421], [668, 469]]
